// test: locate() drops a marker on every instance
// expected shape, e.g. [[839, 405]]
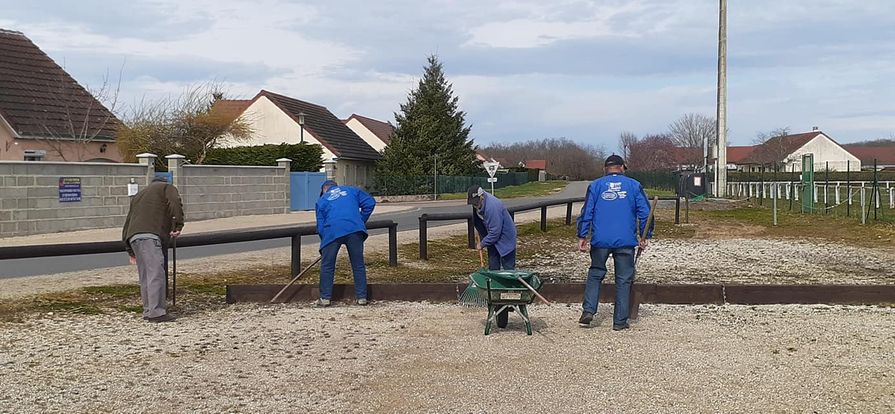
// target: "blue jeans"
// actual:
[[624, 278], [355, 244], [498, 262]]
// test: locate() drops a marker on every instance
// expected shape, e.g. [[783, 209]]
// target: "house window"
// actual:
[[35, 155]]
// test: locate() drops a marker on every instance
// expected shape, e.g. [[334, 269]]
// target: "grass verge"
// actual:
[[530, 189]]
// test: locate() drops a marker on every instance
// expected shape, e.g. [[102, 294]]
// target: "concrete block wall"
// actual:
[[29, 193], [210, 191], [29, 196]]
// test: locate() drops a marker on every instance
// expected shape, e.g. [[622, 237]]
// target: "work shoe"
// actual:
[[362, 302], [620, 327], [322, 303], [164, 318], [586, 319]]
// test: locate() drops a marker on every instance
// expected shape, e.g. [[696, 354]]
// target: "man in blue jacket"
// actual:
[[614, 209], [497, 232], [342, 214]]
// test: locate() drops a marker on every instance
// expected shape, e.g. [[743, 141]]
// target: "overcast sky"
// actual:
[[584, 70]]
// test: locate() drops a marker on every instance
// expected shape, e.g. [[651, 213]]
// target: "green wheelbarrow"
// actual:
[[503, 291]]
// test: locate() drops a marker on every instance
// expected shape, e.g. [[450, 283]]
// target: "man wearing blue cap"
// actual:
[[342, 214]]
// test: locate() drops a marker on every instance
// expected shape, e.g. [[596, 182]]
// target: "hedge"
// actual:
[[305, 157]]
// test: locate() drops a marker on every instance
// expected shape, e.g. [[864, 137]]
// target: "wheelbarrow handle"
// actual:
[[533, 291]]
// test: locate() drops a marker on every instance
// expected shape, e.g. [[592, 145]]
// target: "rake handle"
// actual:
[[481, 254], [300, 274], [534, 291], [649, 220]]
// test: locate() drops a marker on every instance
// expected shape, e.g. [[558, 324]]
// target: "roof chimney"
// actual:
[[814, 128]]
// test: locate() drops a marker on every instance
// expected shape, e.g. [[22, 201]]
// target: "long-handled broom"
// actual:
[[473, 296]]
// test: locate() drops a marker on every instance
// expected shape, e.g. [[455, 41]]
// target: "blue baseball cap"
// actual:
[[327, 183]]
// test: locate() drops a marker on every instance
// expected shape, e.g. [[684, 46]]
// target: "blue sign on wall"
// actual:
[[69, 189]]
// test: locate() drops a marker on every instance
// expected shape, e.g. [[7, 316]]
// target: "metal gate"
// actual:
[[304, 189]]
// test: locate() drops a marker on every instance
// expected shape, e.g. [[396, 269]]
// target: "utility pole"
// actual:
[[721, 115]]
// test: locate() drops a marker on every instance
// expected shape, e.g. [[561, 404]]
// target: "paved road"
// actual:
[[407, 220]]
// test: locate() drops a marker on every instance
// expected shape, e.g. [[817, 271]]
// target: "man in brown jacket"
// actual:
[[155, 216]]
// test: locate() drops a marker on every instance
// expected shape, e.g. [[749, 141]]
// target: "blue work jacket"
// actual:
[[341, 211], [612, 209], [495, 224]]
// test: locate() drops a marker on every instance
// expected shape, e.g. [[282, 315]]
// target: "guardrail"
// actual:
[[470, 229], [542, 205], [206, 239]]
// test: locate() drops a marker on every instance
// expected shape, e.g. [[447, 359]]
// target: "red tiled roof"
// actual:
[[738, 155], [884, 155], [39, 99], [777, 148], [329, 130], [536, 164], [230, 108], [382, 130]]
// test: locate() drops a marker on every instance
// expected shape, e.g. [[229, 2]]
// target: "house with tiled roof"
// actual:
[[883, 156], [374, 132], [277, 119], [786, 152], [45, 115]]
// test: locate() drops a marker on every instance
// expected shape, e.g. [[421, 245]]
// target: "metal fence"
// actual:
[[660, 180], [397, 185], [865, 200]]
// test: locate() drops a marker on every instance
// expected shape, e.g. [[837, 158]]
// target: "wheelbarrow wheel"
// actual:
[[502, 318]]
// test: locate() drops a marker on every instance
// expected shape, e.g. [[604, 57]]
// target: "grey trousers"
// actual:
[[151, 266]]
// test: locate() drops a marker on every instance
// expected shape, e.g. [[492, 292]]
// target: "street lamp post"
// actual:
[[301, 124]]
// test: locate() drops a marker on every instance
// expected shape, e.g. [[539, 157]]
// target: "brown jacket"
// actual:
[[156, 209]]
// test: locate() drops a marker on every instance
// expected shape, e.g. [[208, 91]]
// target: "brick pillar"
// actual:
[[286, 181], [330, 167], [175, 167], [148, 160]]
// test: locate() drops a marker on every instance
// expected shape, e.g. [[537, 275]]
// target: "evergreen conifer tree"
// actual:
[[429, 124]]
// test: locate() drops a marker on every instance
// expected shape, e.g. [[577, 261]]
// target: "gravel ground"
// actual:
[[734, 261], [412, 357]]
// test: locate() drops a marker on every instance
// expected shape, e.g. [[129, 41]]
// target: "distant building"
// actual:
[[883, 155], [45, 115], [786, 151], [535, 164], [374, 132], [277, 119]]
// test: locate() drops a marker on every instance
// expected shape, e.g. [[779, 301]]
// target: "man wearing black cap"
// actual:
[[497, 231], [614, 209]]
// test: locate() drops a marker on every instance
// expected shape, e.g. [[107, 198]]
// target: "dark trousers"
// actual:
[[498, 262], [354, 242]]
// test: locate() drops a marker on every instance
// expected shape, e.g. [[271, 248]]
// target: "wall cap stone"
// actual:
[[175, 157]]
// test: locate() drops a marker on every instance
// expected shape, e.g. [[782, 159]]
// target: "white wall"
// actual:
[[824, 150], [366, 135], [271, 125]]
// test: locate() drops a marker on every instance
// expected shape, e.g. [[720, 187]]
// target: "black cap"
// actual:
[[474, 193], [615, 160]]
